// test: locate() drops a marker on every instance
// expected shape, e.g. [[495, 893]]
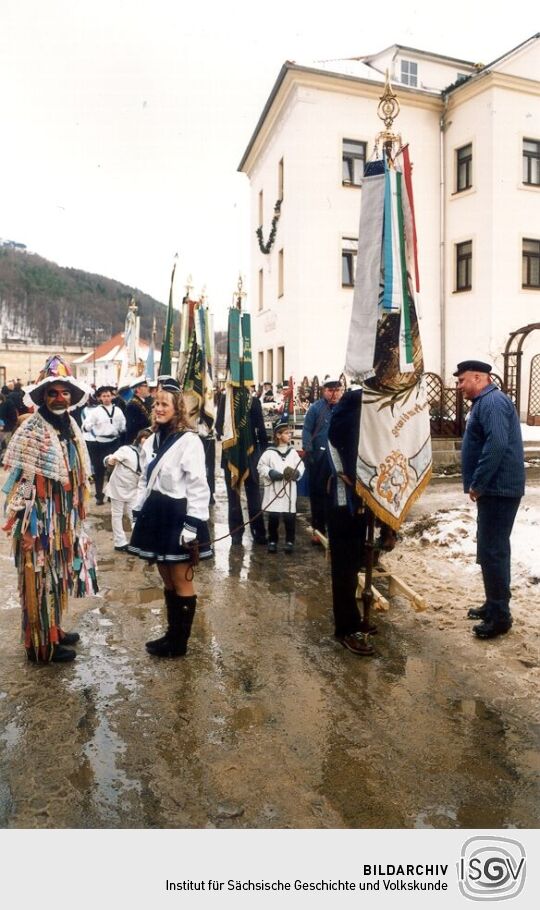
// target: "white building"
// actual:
[[474, 134], [108, 363]]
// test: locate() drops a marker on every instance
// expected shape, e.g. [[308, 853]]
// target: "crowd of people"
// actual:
[[142, 454]]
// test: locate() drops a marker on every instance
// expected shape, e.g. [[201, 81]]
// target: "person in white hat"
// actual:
[[47, 494], [138, 414], [104, 427]]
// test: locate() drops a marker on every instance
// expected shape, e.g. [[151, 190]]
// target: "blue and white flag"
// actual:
[[384, 350]]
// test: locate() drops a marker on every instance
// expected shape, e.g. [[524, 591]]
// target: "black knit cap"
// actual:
[[475, 366]]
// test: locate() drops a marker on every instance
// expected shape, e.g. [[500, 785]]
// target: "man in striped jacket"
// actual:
[[493, 470]]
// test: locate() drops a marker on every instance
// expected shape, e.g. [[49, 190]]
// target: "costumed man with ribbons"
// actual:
[[240, 426], [47, 499], [381, 447]]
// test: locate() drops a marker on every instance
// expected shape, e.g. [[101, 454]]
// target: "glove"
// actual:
[[275, 475], [288, 474], [187, 536]]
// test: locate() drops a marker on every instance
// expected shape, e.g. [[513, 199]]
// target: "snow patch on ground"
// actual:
[[455, 531]]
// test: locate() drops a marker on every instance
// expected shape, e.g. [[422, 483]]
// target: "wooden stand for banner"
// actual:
[[395, 584], [321, 538]]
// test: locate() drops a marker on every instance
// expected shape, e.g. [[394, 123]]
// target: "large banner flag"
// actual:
[[150, 370], [237, 439], [167, 348], [196, 356], [384, 349]]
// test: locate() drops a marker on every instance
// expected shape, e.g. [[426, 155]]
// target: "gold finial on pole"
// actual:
[[239, 294], [388, 108], [202, 298], [387, 111], [189, 286]]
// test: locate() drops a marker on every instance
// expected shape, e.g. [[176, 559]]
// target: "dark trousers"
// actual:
[[346, 536], [318, 477], [236, 518], [209, 445], [289, 522], [496, 516], [98, 451]]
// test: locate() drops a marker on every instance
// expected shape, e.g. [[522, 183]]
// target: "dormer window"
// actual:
[[409, 72]]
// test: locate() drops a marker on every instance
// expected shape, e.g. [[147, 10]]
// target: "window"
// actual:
[[261, 290], [261, 208], [260, 376], [349, 247], [354, 159], [269, 366], [464, 266], [531, 264], [281, 176], [464, 168], [281, 365], [531, 162], [281, 275], [409, 72]]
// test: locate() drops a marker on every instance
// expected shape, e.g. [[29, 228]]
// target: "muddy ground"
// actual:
[[269, 723]]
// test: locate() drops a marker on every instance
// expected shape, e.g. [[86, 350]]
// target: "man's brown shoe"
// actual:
[[353, 642]]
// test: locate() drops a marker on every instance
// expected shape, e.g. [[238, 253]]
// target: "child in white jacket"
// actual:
[[122, 486], [280, 467]]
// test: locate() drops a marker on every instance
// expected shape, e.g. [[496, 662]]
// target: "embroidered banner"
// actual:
[[394, 450]]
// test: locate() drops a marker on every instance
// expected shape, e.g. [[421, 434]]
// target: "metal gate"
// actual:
[[533, 408], [447, 407]]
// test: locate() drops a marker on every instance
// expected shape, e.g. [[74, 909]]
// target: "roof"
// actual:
[[328, 68], [112, 350], [420, 53], [483, 70], [362, 70]]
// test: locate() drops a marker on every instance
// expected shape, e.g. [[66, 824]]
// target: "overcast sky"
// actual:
[[124, 121]]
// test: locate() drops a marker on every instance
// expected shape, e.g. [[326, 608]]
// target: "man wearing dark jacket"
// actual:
[[138, 413], [347, 520], [251, 483], [315, 445], [493, 469]]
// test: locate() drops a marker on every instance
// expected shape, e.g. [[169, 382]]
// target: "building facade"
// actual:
[[474, 134]]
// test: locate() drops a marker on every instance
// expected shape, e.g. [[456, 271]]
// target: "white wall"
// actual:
[[311, 320], [497, 213]]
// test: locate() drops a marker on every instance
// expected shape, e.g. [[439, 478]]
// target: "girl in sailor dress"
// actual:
[[279, 468], [171, 514]]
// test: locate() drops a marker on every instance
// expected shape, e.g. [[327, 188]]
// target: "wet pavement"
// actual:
[[268, 722]]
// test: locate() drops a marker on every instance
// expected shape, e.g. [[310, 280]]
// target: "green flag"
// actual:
[[237, 437], [167, 348]]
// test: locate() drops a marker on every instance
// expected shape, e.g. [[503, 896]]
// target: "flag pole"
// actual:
[[387, 111]]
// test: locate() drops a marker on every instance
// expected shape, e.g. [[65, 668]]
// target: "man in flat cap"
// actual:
[[493, 471], [315, 445]]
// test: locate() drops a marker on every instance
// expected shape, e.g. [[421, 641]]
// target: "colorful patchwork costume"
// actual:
[[47, 493]]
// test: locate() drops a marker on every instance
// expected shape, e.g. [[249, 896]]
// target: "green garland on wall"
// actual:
[[266, 247]]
